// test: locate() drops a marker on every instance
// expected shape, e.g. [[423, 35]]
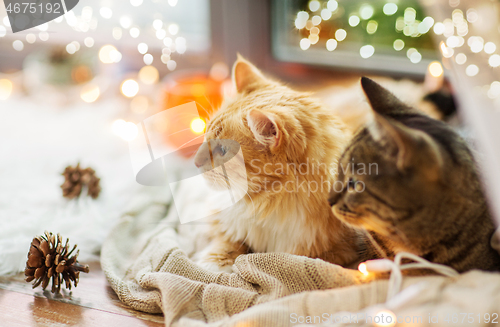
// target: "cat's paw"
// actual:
[[214, 266]]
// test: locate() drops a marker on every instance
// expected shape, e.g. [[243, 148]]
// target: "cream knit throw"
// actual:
[[145, 263]]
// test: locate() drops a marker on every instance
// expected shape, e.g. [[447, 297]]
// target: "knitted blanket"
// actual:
[[146, 259]]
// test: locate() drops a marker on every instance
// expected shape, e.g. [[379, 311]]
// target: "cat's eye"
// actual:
[[223, 150]]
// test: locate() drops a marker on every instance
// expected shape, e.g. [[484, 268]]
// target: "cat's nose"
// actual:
[[199, 162], [334, 197], [202, 156]]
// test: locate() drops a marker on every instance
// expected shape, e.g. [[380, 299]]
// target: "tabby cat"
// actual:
[[289, 143], [411, 182]]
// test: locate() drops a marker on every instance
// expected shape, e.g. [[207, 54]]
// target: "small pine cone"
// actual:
[[75, 178], [48, 258]]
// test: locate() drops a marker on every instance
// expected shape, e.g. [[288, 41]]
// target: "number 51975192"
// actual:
[[33, 8]]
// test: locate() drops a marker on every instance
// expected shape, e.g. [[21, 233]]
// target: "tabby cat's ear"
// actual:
[[381, 100], [246, 77], [265, 128], [410, 148]]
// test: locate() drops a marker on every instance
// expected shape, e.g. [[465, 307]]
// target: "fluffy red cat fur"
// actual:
[[290, 143]]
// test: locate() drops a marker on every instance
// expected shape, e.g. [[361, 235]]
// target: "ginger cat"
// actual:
[[290, 143]]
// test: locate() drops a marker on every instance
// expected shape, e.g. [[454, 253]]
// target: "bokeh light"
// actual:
[[435, 69], [90, 93], [385, 318], [126, 130], [149, 75], [108, 54], [331, 44], [198, 125], [362, 268], [366, 51], [6, 87], [130, 88], [139, 104], [471, 70], [390, 8]]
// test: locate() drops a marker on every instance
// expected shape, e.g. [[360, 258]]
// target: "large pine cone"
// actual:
[[76, 178], [48, 258]]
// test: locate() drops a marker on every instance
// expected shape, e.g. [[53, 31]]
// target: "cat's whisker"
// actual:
[[197, 137]]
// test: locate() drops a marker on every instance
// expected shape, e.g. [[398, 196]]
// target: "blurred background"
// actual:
[[72, 90]]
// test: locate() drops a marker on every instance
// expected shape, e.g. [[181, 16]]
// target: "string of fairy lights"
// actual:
[[455, 30], [320, 12], [88, 20]]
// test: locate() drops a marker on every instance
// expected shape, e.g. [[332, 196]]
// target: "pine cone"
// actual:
[[48, 258], [76, 178]]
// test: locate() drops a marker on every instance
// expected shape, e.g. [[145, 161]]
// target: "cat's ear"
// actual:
[[381, 100], [265, 128], [246, 77], [411, 148]]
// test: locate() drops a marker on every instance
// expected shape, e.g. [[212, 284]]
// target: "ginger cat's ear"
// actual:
[[412, 148], [265, 128], [246, 77]]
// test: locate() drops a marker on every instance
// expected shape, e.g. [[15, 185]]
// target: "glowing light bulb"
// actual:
[[90, 93], [31, 38], [139, 104], [134, 32], [390, 9], [125, 22], [106, 12], [366, 51], [340, 34], [314, 5], [89, 42], [439, 28], [331, 44], [332, 5], [171, 65], [385, 318], [435, 69], [354, 20], [173, 29], [471, 70], [362, 269], [494, 60], [371, 27], [326, 14], [70, 48], [398, 45], [490, 47], [366, 11], [5, 89], [130, 88], [157, 24], [460, 58], [126, 130], [198, 125], [108, 54], [148, 59], [149, 75], [305, 44], [136, 3], [18, 45], [143, 48]]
